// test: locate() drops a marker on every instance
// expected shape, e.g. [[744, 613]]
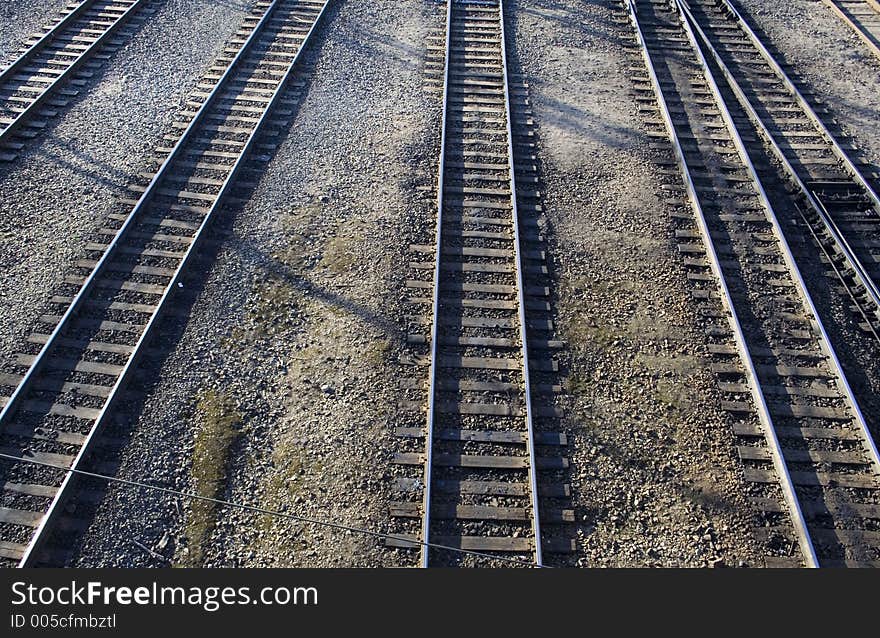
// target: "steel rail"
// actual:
[[50, 35], [435, 326], [866, 38], [825, 342], [39, 535], [802, 102], [520, 294], [22, 118], [23, 386], [869, 320], [257, 509], [805, 543], [859, 269]]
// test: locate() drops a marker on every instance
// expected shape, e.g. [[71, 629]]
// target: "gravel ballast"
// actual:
[[59, 189], [286, 346], [298, 325], [655, 478], [21, 19], [825, 53]]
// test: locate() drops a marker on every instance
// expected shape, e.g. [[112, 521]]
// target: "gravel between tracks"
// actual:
[[56, 193], [835, 63], [21, 19], [655, 477], [298, 324], [827, 54]]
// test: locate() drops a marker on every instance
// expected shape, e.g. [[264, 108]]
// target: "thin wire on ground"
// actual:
[[262, 510]]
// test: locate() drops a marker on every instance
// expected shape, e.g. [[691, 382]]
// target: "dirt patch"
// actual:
[[213, 443]]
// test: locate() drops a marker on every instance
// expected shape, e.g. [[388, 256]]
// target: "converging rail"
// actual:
[[863, 17], [40, 79], [841, 205], [91, 343], [481, 488], [810, 463]]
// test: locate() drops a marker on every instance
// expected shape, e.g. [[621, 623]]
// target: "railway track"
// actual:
[[490, 464], [840, 204], [63, 387], [810, 463], [863, 17], [56, 62]]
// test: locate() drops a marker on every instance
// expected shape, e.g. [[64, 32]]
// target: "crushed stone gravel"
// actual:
[[55, 194], [297, 320], [297, 323], [655, 479]]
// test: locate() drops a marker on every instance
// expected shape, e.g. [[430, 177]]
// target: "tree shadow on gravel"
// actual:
[[236, 5], [561, 14], [376, 44], [89, 166], [308, 288], [554, 112]]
